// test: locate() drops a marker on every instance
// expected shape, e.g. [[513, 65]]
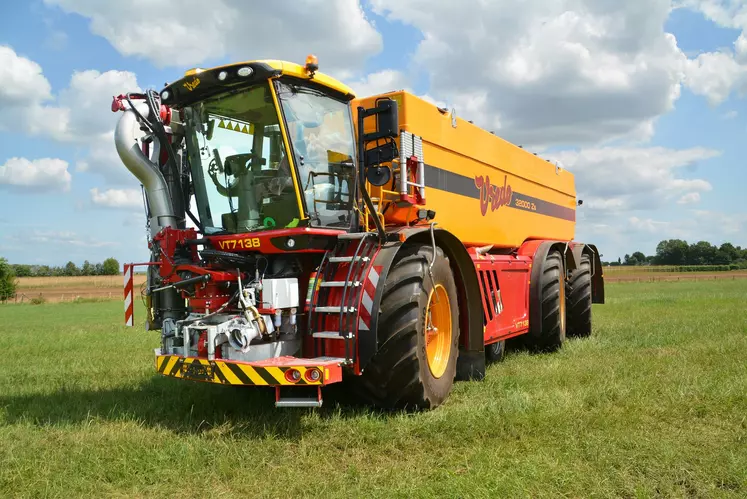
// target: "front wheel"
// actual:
[[418, 334]]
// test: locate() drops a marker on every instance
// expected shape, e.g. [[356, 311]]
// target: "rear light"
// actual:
[[293, 375], [313, 375]]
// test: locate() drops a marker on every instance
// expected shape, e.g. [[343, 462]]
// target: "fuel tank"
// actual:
[[484, 189]]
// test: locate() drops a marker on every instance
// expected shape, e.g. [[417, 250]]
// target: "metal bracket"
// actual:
[[433, 258]]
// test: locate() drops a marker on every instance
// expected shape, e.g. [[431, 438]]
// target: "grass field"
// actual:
[[653, 404]]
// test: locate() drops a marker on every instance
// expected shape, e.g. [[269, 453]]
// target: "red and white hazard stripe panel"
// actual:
[[367, 297], [128, 302]]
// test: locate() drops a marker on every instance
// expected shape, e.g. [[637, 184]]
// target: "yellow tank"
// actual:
[[483, 189]]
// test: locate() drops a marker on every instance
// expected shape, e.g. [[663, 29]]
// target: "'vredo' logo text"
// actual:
[[493, 195]]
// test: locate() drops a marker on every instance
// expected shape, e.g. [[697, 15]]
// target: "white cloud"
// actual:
[[130, 199], [380, 82], [690, 198], [23, 81], [716, 74], [646, 225], [190, 32], [65, 238], [87, 101], [615, 179], [548, 72], [23, 96], [39, 175], [80, 115]]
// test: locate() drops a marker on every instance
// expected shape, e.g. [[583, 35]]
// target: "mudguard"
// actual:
[[597, 275], [471, 361]]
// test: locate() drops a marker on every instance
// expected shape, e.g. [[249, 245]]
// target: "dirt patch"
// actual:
[[676, 276], [58, 289]]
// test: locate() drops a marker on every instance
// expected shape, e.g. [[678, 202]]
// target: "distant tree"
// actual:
[[671, 252], [626, 260], [58, 271], [7, 280], [639, 258], [71, 269], [721, 258], [98, 269], [111, 266], [87, 268], [619, 261], [730, 251], [43, 271], [701, 253], [22, 270]]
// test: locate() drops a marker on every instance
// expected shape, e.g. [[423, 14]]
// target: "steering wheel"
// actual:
[[236, 165], [214, 169]]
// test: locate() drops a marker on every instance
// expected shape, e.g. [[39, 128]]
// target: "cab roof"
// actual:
[[200, 83]]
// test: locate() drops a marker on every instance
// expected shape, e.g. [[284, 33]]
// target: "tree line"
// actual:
[[679, 252], [9, 272], [110, 266]]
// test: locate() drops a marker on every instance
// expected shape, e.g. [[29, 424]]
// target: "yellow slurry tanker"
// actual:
[[299, 235]]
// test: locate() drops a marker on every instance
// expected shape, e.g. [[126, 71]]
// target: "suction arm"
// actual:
[[128, 148]]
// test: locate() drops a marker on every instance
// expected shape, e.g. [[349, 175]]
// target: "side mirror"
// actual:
[[387, 120], [378, 175]]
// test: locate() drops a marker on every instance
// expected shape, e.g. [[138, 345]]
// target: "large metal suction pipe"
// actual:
[[128, 148]]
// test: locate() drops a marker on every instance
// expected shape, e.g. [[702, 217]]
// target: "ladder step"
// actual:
[[332, 310], [344, 259], [328, 335], [353, 235], [298, 402], [339, 284]]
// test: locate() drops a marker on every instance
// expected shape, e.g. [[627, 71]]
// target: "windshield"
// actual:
[[241, 174], [320, 130]]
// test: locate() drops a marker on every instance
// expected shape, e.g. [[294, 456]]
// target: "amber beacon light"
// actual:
[[312, 64]]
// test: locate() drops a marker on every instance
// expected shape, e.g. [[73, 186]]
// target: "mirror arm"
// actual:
[[362, 114]]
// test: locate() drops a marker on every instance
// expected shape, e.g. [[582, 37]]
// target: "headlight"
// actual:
[[245, 71], [165, 95], [222, 75]]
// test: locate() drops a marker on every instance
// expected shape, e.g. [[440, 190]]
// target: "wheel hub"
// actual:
[[438, 331]]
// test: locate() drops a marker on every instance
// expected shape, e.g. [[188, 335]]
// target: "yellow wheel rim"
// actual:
[[438, 331]]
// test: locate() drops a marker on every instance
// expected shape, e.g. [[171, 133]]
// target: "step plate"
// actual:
[[270, 372]]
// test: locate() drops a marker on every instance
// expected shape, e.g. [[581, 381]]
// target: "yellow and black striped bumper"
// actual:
[[264, 373]]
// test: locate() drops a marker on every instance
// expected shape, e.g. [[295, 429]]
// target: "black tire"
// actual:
[[399, 376], [578, 298], [549, 335], [495, 352]]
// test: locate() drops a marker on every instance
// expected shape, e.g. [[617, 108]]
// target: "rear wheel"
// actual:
[[418, 333], [549, 334], [579, 299], [496, 351]]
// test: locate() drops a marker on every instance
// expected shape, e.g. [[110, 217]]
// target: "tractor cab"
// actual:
[[269, 147]]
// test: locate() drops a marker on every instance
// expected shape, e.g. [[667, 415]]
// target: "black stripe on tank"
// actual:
[[444, 180]]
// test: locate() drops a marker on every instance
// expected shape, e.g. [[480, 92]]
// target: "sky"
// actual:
[[643, 101]]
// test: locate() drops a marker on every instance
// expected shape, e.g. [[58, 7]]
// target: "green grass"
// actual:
[[653, 404]]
